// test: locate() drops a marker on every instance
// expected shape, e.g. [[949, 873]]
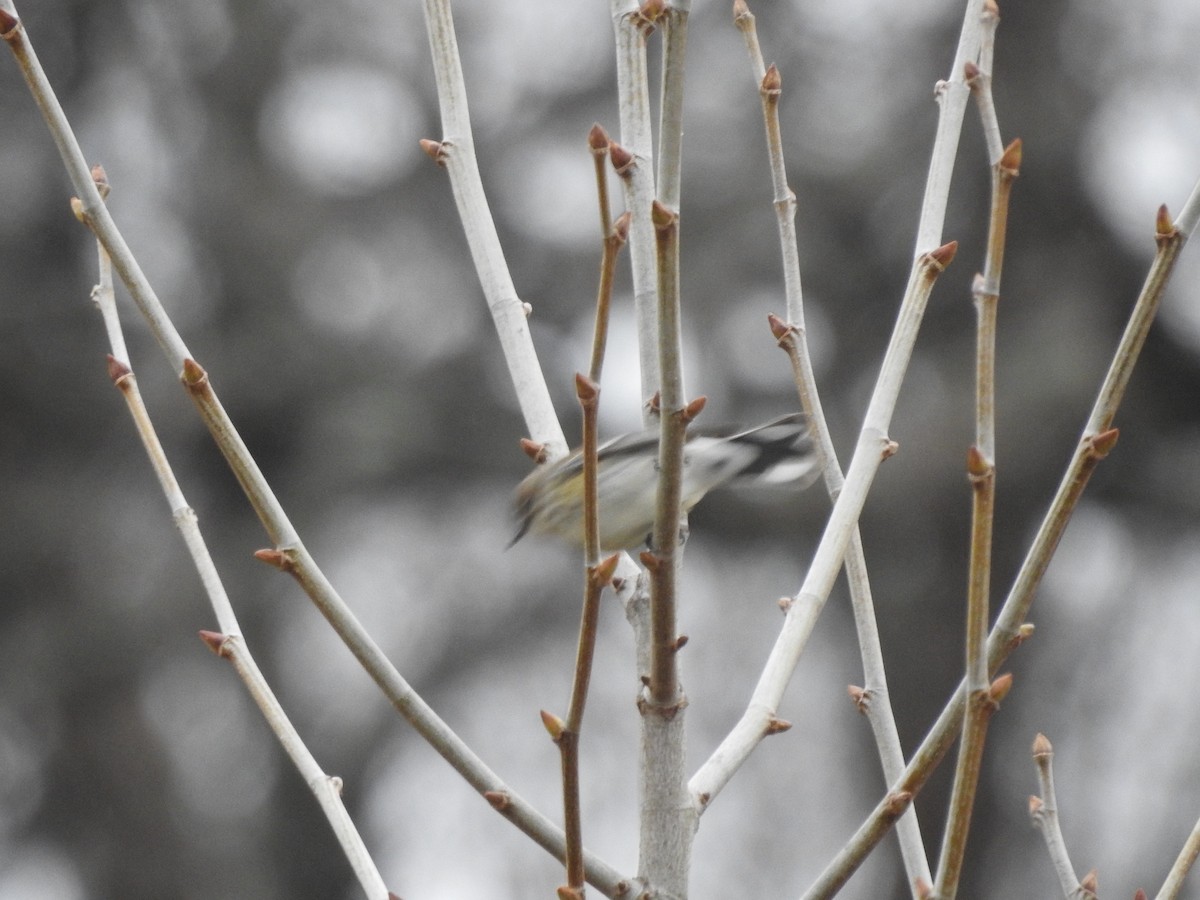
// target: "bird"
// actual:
[[549, 501]]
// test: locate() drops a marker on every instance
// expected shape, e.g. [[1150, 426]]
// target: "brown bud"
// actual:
[[621, 159], [1010, 161], [1042, 747], [944, 255], [116, 369], [779, 328], [215, 641], [597, 139]]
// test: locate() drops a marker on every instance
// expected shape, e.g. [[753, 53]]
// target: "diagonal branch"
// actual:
[[1010, 630]]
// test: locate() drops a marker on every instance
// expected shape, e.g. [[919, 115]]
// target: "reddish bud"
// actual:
[[621, 158], [772, 83], [215, 641], [598, 139], [116, 369]]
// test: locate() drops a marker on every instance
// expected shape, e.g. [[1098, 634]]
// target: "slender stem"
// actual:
[[456, 152], [1183, 864], [598, 143], [229, 643], [290, 553], [613, 242], [667, 817], [873, 699], [674, 24], [981, 470], [1044, 812], [637, 178], [952, 101], [873, 447], [1010, 631], [664, 684]]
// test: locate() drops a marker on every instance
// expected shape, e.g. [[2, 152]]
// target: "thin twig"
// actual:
[[598, 143], [1183, 864], [229, 644], [290, 553], [1043, 811], [664, 685], [673, 24], [456, 152], [873, 447], [873, 698], [1010, 630], [952, 97], [668, 819], [613, 242], [981, 470], [635, 165]]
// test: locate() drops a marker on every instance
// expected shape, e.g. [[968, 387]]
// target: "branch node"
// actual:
[[553, 724], [679, 643], [117, 370], [860, 696], [436, 151], [100, 179], [776, 726], [785, 603], [1101, 444], [534, 450], [896, 803], [772, 84], [943, 255], [276, 558], [8, 25], [999, 688], [622, 160], [586, 390], [194, 377], [498, 800], [621, 227], [1164, 227], [1010, 162], [693, 409], [215, 641], [782, 331]]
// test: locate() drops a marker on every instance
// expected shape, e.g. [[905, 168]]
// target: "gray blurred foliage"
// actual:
[[265, 169]]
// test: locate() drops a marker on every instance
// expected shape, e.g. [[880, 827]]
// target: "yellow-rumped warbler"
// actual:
[[550, 499]]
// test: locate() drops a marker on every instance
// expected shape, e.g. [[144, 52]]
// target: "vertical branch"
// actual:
[[952, 103], [873, 698], [634, 162], [981, 470], [670, 122], [456, 152], [668, 819], [664, 685]]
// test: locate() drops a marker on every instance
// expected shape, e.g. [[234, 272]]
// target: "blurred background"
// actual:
[[265, 169]]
